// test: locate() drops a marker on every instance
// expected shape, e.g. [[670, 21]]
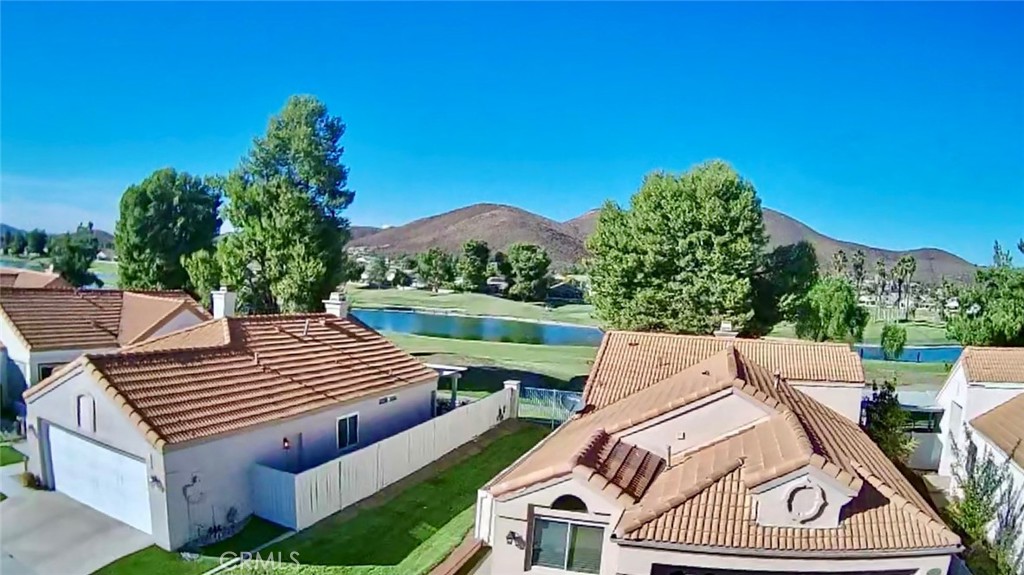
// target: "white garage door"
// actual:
[[105, 480]]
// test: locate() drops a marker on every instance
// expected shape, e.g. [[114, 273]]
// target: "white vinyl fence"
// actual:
[[298, 500]]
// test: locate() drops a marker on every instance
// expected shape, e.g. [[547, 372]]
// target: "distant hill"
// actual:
[[498, 225], [932, 264], [362, 231], [105, 238]]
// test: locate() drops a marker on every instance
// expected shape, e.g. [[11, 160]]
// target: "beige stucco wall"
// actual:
[[844, 398], [181, 321], [773, 500], [222, 465], [696, 424]]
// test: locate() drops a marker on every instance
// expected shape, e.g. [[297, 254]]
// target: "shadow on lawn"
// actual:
[[389, 532]]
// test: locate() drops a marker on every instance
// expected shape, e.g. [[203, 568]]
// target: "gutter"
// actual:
[[784, 554]]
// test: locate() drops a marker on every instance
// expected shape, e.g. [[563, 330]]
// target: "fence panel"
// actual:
[[360, 476], [549, 405], [318, 493], [273, 495]]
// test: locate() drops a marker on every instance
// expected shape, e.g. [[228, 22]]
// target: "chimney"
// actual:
[[223, 302], [336, 304], [726, 330]]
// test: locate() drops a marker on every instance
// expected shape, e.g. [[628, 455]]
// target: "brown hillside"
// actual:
[[932, 264], [498, 225], [361, 231]]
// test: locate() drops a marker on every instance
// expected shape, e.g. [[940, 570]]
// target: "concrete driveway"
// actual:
[[44, 532]]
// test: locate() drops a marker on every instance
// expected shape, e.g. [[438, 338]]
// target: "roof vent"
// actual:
[[778, 378], [305, 328], [256, 357], [726, 330]]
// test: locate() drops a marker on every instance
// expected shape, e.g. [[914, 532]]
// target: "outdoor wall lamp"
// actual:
[[285, 444], [514, 538]]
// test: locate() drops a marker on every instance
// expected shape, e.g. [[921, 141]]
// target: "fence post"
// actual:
[[513, 402]]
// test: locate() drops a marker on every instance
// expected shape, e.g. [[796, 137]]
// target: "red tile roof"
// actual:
[[993, 364], [22, 278]]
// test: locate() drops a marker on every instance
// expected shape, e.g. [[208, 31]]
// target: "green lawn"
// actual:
[[413, 530], [907, 373], [919, 332], [106, 270], [556, 366], [470, 304], [9, 455], [155, 560]]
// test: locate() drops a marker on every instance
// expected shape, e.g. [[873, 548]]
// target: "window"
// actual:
[[387, 399], [348, 431], [565, 545], [86, 413], [569, 503], [924, 421], [46, 371]]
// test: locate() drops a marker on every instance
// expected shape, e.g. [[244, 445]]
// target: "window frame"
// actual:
[[386, 399], [337, 432], [51, 366], [572, 523], [924, 420]]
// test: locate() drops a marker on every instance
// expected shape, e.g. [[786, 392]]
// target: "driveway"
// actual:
[[44, 532]]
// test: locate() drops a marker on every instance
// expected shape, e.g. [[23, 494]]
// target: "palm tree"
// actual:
[[839, 263], [857, 265], [902, 273], [880, 277]]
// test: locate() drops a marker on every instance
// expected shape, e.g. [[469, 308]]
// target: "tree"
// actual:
[[204, 274], [831, 312], [894, 338], [839, 263], [436, 268], [903, 273], [782, 284], [472, 266], [529, 268], [992, 309], [499, 265], [886, 422], [35, 241], [164, 218], [683, 256], [401, 278], [5, 239], [285, 201], [18, 244], [73, 254], [857, 267], [377, 272], [978, 479]]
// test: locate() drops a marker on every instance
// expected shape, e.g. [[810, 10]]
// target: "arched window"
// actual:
[[86, 413], [569, 503]]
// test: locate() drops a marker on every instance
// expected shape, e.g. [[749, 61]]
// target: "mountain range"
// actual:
[[501, 225]]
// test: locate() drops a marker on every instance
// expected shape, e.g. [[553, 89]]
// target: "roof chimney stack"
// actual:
[[726, 330], [336, 305], [223, 303]]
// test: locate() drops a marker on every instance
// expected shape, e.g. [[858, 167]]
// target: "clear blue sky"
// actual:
[[894, 125]]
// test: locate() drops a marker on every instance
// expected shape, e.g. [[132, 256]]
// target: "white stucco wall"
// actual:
[[772, 500], [843, 398], [181, 321], [221, 466], [696, 424]]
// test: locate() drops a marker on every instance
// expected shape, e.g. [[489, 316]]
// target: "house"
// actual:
[[829, 372], [44, 329], [984, 397], [23, 278], [720, 466], [163, 435]]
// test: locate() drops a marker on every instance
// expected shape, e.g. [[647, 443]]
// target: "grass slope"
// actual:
[[470, 304], [9, 455], [918, 332], [931, 375]]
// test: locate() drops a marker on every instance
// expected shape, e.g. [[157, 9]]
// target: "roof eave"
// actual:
[[790, 554]]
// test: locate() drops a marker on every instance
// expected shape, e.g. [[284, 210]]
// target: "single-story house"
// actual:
[[983, 397], [163, 435], [719, 467], [626, 361], [23, 278], [44, 329]]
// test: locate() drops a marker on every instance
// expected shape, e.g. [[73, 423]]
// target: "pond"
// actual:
[[479, 328], [515, 331]]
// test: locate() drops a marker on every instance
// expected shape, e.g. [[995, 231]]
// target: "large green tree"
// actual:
[[992, 309], [285, 201], [71, 255], [472, 266], [683, 256], [436, 268], [529, 265], [831, 312], [781, 285], [164, 218], [36, 241], [17, 245], [204, 273]]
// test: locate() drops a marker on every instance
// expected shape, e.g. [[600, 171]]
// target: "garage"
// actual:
[[108, 481]]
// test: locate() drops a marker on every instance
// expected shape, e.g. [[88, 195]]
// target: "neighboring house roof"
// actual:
[[704, 497], [629, 361], [91, 318], [1003, 425], [993, 364], [229, 374], [22, 278]]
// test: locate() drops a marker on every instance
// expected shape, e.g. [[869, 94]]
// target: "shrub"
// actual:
[[31, 480], [886, 422], [894, 339]]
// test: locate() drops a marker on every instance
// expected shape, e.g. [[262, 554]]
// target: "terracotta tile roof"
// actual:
[[247, 371], [22, 278], [704, 498], [629, 361], [90, 319], [993, 364], [1003, 425]]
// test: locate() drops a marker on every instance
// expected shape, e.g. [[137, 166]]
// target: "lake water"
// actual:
[[514, 331]]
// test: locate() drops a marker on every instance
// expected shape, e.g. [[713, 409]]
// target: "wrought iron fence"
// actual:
[[551, 406]]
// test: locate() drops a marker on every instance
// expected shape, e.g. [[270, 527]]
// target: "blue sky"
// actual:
[[897, 125]]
